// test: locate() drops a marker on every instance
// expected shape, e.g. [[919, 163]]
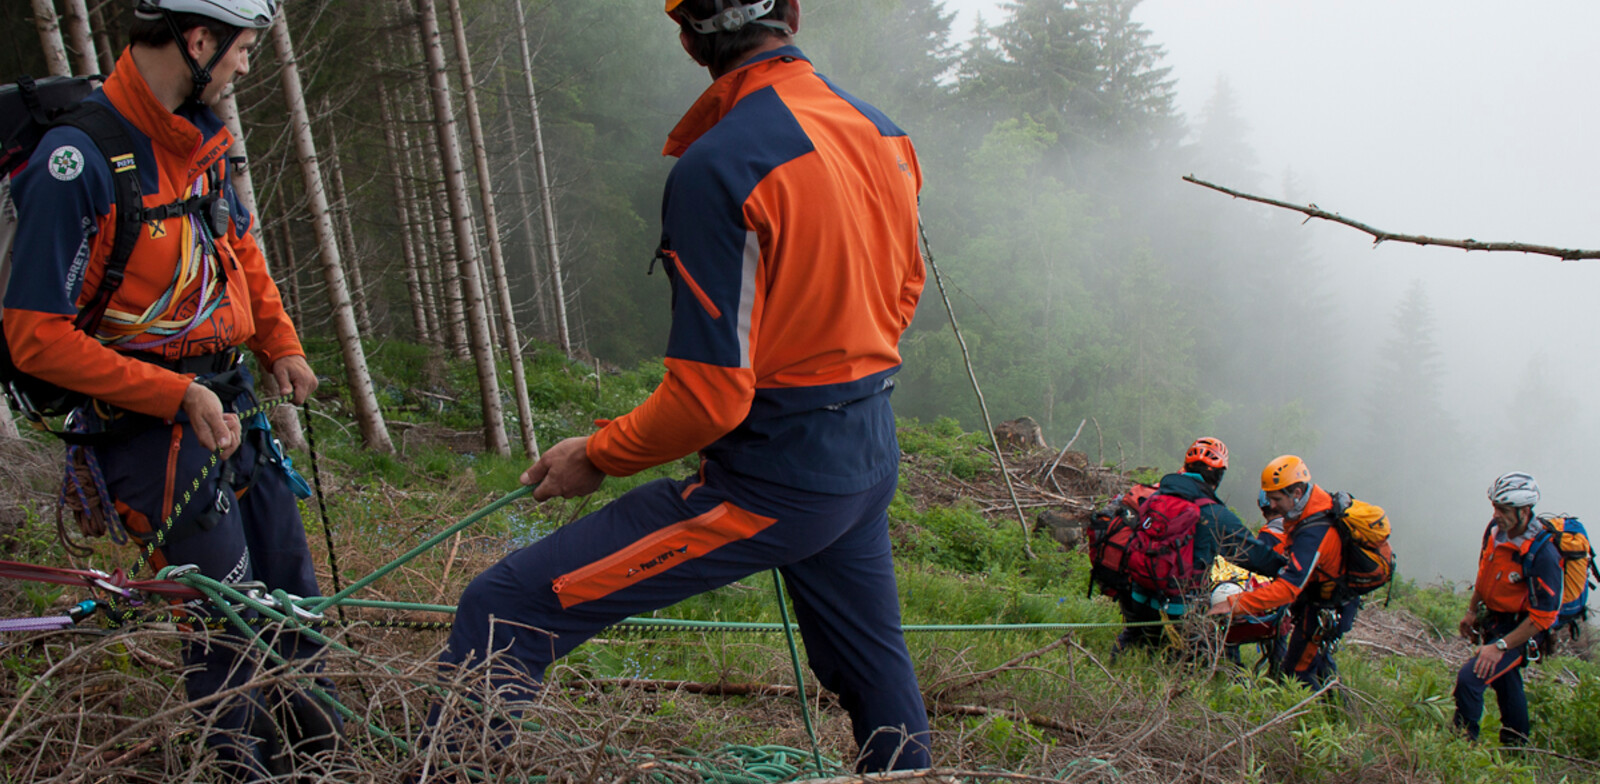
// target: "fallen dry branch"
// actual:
[[1380, 236], [956, 683]]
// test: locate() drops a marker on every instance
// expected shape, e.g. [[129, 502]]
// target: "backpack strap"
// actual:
[[105, 128]]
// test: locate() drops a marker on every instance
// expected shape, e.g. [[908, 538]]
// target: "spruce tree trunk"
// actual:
[[391, 141], [347, 235], [102, 40], [55, 52], [546, 202], [449, 271], [422, 239], [530, 237], [285, 422], [494, 428], [291, 266], [425, 237], [75, 19], [374, 433]]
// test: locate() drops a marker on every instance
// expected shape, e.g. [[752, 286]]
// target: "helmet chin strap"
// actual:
[[200, 75]]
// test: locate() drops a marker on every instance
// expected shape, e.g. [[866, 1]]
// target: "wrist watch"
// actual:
[[1500, 644]]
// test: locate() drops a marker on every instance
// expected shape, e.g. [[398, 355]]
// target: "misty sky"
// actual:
[[1455, 118]]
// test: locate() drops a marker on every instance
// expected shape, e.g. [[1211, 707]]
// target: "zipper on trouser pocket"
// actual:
[[658, 552]]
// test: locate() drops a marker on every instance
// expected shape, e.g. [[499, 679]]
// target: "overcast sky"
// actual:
[[1455, 118]]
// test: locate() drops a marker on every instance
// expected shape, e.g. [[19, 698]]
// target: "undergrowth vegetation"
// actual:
[[1045, 703]]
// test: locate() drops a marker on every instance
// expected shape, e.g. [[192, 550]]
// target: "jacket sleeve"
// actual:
[[1545, 581], [1309, 551], [275, 336], [1238, 546], [63, 198], [711, 249]]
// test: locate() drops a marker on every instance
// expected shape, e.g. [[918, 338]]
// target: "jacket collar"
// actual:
[[194, 134], [758, 72], [1318, 503]]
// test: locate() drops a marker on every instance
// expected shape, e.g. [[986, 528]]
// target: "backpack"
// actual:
[[1577, 564], [1110, 535], [1368, 559], [28, 109], [1161, 558]]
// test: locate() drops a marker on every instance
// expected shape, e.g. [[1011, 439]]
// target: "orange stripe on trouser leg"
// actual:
[[1313, 645], [659, 552]]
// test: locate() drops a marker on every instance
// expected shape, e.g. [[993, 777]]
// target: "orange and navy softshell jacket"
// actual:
[[1316, 559], [789, 233], [65, 224], [1512, 583]]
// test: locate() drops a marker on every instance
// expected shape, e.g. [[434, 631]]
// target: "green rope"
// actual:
[[799, 677], [326, 602]]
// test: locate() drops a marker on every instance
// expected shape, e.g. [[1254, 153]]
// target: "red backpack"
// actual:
[[1110, 535], [1161, 558]]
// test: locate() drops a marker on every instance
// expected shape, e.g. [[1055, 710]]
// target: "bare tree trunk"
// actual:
[[422, 240], [374, 434], [76, 21], [546, 204], [285, 422], [402, 213], [449, 273], [419, 194], [347, 235], [102, 39], [525, 212], [55, 52], [291, 272], [494, 427]]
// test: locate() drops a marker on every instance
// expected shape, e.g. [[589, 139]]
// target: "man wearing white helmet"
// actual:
[[1515, 598], [161, 354]]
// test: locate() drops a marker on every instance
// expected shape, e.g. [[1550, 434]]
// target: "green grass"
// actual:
[[954, 566]]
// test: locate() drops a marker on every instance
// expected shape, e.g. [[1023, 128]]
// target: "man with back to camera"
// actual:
[[789, 238], [1218, 532], [1518, 591], [163, 364]]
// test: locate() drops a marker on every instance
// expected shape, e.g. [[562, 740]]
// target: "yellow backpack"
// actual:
[[1364, 539]]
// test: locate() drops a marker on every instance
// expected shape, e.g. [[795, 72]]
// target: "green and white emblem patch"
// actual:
[[66, 163]]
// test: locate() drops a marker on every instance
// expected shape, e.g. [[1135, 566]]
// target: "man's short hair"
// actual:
[[157, 33], [1212, 476], [722, 51]]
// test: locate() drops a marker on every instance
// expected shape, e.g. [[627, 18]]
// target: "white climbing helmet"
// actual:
[[1225, 591], [733, 15], [254, 14], [1514, 489]]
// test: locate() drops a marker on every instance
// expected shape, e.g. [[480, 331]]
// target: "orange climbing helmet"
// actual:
[[1207, 451], [1284, 471]]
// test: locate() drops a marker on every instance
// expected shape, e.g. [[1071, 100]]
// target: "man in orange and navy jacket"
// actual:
[[1518, 593], [1307, 583], [163, 367], [789, 237]]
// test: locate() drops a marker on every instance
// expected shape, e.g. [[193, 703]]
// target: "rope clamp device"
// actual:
[[103, 581], [258, 593]]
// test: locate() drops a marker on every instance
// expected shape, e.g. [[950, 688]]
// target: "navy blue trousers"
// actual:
[[1308, 656], [1507, 683], [668, 540], [258, 536]]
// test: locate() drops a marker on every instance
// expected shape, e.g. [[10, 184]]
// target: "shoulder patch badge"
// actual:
[[66, 163]]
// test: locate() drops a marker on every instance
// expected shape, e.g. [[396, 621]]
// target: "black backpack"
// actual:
[[28, 109]]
